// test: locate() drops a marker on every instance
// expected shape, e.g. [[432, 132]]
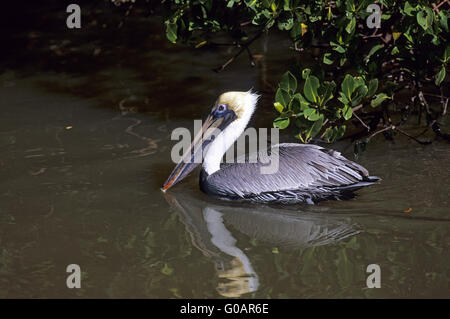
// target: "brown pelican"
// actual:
[[306, 173]]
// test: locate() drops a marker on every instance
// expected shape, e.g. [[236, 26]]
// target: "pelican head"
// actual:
[[224, 124]]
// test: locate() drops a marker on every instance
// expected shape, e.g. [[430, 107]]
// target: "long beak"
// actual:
[[188, 162]]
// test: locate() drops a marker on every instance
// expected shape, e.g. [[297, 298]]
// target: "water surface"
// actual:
[[85, 145]]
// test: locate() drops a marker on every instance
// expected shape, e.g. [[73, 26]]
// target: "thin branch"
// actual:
[[381, 131], [444, 111], [362, 122], [411, 137], [426, 129], [436, 7], [216, 44], [394, 128], [244, 47], [444, 104], [423, 101], [250, 57], [356, 108], [434, 95]]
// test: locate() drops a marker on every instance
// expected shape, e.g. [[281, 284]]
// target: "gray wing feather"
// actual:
[[300, 167]]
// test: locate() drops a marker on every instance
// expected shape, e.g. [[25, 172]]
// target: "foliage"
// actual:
[[311, 110], [359, 69]]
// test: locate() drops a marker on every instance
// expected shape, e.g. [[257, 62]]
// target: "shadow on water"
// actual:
[[208, 222]]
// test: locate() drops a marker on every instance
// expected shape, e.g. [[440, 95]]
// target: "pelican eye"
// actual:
[[221, 108]]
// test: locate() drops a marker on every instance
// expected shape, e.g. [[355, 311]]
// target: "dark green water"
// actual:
[[85, 145]]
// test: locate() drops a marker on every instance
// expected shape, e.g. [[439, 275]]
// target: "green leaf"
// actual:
[[351, 25], [288, 82], [337, 47], [425, 18], [285, 21], [296, 31], [286, 24], [307, 112], [329, 14], [334, 133], [373, 50], [315, 128], [269, 24], [287, 5], [390, 87], [283, 97], [304, 104], [358, 81], [305, 73], [443, 19], [360, 93], [436, 40], [281, 122], [379, 99], [343, 98], [440, 76], [408, 36], [409, 9], [261, 17], [299, 103], [171, 31], [340, 131], [327, 58], [326, 92], [347, 112], [348, 86], [373, 87], [329, 135], [311, 114], [278, 106], [446, 54], [310, 88]]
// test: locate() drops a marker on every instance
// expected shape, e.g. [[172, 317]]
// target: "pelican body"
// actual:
[[306, 173]]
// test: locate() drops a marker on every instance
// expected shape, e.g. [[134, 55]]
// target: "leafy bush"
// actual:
[[360, 69], [311, 110]]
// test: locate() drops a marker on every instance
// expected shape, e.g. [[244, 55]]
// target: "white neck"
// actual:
[[228, 136]]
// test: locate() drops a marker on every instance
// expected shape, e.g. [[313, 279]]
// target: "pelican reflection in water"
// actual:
[[209, 221], [306, 173]]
